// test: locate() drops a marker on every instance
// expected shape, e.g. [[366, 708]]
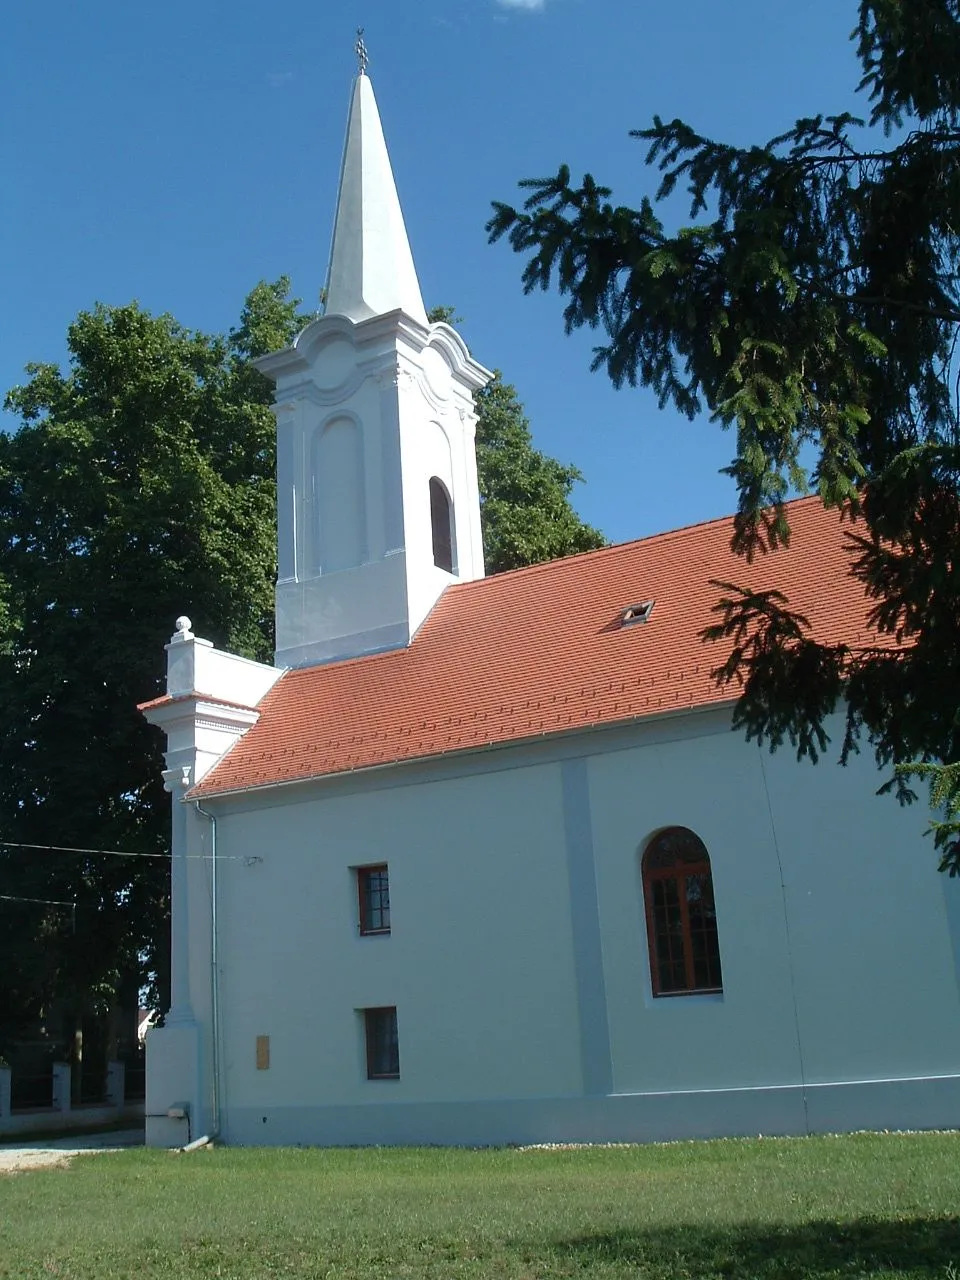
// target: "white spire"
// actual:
[[371, 266]]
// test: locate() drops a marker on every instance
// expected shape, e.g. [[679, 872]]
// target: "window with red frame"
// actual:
[[373, 886], [681, 916]]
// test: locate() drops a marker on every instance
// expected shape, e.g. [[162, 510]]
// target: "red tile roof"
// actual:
[[541, 651]]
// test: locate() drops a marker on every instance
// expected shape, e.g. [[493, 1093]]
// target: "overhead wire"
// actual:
[[43, 902], [63, 848], [114, 853]]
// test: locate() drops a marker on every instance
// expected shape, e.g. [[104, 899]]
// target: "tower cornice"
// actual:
[[395, 328]]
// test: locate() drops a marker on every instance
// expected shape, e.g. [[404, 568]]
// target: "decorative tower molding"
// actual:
[[378, 505]]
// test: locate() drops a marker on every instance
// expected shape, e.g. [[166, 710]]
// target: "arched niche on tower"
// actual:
[[437, 453], [339, 533]]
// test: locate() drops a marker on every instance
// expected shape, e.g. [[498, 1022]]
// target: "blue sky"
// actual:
[[178, 153]]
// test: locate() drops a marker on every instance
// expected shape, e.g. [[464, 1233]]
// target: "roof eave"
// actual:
[[200, 792]]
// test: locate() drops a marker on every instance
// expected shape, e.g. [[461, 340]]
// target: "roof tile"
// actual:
[[541, 650]]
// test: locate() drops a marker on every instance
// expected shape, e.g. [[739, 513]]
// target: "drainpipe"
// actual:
[[214, 982]]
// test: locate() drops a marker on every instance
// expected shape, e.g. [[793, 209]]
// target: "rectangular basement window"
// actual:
[[383, 1046]]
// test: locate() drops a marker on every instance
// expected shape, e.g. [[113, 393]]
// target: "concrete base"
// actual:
[[28, 1124], [173, 1086], [923, 1103]]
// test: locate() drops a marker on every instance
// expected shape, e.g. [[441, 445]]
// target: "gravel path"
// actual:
[[45, 1153]]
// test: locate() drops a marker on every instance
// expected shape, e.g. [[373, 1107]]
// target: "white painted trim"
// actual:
[[202, 712]]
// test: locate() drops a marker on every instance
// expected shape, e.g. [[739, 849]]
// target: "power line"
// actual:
[[43, 902], [46, 902], [62, 848], [123, 853]]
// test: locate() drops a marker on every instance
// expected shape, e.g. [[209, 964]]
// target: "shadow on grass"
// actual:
[[918, 1247]]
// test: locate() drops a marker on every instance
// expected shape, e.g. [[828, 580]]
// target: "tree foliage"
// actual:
[[141, 485], [812, 307], [525, 495]]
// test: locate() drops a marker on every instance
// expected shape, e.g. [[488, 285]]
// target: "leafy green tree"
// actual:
[[813, 308], [525, 495], [525, 511], [141, 485]]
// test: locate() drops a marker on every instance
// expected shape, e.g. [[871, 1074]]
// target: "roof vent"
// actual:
[[635, 613]]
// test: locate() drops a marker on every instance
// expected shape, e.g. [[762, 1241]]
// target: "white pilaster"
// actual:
[[177, 782], [211, 702]]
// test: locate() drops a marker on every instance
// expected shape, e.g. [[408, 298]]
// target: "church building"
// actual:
[[480, 860]]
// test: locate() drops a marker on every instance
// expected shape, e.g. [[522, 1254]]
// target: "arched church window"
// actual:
[[681, 916], [441, 522]]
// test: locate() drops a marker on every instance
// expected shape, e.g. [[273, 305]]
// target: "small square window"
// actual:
[[373, 887], [383, 1046], [635, 613]]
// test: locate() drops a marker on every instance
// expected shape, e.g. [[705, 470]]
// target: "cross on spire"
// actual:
[[361, 50]]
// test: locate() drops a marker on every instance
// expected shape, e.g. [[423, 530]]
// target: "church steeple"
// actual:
[[371, 267], [378, 505]]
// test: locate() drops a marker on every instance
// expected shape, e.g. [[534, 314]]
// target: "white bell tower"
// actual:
[[378, 507]]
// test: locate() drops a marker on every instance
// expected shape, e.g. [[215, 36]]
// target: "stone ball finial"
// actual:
[[183, 625]]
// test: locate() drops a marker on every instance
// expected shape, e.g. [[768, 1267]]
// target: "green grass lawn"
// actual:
[[867, 1205]]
